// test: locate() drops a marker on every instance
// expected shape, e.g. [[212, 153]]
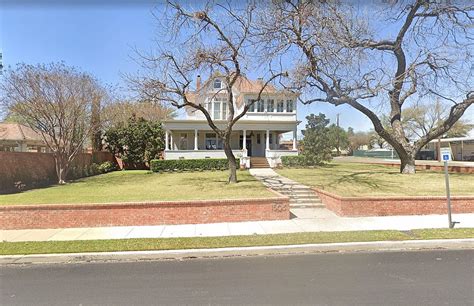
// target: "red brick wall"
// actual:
[[458, 169], [390, 206], [153, 213], [37, 169]]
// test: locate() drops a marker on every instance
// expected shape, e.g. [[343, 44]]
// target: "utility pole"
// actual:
[[338, 134]]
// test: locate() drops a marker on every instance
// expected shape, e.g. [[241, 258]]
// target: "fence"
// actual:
[[26, 170]]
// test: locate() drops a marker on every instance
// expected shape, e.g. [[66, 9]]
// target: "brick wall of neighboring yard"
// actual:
[[153, 213], [32, 170], [452, 168], [390, 206]]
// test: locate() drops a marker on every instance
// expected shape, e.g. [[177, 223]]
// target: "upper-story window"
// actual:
[[280, 106], [251, 103], [224, 110], [270, 106], [290, 106], [217, 84], [260, 106]]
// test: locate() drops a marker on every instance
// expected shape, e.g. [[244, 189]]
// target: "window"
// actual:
[[224, 110], [258, 139], [183, 141], [280, 106], [270, 138], [260, 106], [217, 110], [252, 105], [217, 84], [270, 106], [289, 106], [212, 142]]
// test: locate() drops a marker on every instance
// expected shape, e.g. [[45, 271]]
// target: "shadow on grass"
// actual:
[[360, 179]]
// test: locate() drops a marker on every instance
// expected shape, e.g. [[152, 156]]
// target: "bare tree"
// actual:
[[420, 119], [379, 59], [122, 110], [214, 40], [56, 101]]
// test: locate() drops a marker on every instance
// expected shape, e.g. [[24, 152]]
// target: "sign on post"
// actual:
[[446, 157], [445, 154]]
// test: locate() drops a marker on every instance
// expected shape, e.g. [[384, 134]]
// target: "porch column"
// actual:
[[171, 140], [294, 139], [244, 140], [267, 141], [196, 139], [167, 144]]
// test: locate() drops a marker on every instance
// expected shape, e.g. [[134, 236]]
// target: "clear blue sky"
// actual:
[[100, 39]]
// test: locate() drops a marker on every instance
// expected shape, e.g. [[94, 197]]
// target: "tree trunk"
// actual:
[[407, 163], [61, 169], [231, 159]]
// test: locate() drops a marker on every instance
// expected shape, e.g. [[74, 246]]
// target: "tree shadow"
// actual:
[[361, 179]]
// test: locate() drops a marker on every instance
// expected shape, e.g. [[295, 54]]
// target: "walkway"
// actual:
[[301, 196], [304, 220]]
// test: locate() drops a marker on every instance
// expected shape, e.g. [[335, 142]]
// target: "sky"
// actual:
[[100, 39]]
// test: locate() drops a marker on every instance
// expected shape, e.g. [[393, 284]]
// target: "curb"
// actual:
[[375, 246]]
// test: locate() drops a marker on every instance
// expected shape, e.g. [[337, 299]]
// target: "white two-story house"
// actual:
[[256, 136]]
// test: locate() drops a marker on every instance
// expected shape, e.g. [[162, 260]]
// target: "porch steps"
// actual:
[[259, 162], [300, 197]]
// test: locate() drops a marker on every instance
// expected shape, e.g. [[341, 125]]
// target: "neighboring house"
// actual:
[[255, 136], [15, 137], [462, 148]]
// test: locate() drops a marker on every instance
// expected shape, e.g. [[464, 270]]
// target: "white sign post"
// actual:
[[445, 157]]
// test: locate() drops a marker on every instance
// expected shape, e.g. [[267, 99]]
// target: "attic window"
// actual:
[[217, 84]]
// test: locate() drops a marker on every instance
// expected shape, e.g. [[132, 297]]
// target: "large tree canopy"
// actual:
[[378, 59], [56, 101]]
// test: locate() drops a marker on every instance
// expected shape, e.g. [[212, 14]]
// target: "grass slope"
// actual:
[[136, 186], [352, 179]]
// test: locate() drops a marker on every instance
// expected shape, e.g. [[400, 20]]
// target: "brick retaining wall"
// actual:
[[26, 170], [150, 213], [390, 206]]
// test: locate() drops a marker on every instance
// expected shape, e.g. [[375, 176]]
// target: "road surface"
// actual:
[[391, 278]]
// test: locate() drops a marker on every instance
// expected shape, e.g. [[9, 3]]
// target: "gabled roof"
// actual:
[[243, 85], [18, 132]]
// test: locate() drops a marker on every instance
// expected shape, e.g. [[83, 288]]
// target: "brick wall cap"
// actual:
[[390, 198], [143, 204]]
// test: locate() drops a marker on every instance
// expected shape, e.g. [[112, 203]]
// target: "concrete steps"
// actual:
[[300, 196], [259, 162]]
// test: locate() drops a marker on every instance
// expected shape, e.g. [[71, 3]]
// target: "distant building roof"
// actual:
[[18, 132], [453, 139]]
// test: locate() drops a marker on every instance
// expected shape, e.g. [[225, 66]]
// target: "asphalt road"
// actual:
[[401, 278]]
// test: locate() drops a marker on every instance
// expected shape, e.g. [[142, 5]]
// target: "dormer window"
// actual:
[[217, 84]]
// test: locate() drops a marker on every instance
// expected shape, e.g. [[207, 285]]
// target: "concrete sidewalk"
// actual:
[[303, 220]]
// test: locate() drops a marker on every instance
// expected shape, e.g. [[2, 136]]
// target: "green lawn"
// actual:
[[136, 186], [352, 179], [48, 247]]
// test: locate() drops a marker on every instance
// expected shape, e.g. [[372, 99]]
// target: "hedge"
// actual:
[[157, 165], [299, 161]]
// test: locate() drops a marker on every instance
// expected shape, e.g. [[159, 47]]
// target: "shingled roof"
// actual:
[[18, 132]]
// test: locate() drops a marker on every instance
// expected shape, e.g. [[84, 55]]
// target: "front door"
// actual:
[[248, 145]]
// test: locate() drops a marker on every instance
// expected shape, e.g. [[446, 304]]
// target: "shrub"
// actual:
[[300, 161], [94, 169], [157, 165], [107, 166]]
